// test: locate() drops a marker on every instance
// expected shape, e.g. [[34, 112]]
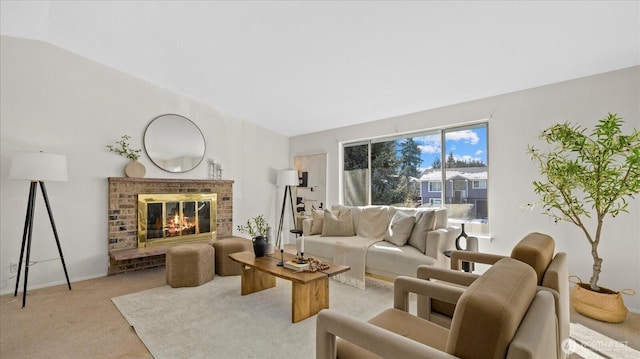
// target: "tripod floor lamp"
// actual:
[[37, 167], [288, 179]]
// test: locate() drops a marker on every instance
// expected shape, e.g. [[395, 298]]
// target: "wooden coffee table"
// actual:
[[309, 291]]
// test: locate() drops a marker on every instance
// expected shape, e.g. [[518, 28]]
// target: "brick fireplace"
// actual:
[[124, 254]]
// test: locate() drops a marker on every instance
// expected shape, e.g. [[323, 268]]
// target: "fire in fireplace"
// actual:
[[179, 217]]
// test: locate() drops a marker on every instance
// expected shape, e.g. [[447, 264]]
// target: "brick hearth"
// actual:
[[124, 254]]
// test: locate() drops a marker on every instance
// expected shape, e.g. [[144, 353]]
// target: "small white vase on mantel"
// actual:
[[135, 169]]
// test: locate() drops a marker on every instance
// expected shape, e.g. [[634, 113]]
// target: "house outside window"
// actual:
[[440, 168]]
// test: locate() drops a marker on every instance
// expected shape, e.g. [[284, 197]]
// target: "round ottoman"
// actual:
[[190, 265], [224, 247]]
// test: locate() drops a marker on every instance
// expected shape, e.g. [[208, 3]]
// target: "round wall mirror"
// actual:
[[174, 143]]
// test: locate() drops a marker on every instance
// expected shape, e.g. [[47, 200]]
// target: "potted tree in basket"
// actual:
[[589, 176], [258, 228]]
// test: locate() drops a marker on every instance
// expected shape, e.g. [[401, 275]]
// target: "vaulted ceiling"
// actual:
[[304, 66]]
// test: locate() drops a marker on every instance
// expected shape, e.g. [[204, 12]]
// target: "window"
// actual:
[[480, 184], [435, 186], [459, 185], [446, 167]]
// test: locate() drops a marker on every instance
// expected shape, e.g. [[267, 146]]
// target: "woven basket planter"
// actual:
[[606, 305]]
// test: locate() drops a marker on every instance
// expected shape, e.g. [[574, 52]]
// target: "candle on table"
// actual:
[[302, 244]]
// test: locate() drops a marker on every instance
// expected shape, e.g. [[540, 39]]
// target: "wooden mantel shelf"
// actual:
[[167, 180]]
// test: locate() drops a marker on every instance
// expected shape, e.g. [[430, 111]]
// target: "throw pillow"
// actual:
[[337, 224], [423, 225], [317, 216], [373, 222], [400, 229], [355, 213]]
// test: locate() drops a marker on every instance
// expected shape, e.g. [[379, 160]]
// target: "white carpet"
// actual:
[[215, 321]]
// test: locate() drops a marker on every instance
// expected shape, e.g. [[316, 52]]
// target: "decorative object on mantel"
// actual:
[[215, 169], [37, 167], [134, 169], [600, 170], [258, 228]]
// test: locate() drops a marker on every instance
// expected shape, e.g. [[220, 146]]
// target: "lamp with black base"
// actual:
[[37, 167], [288, 179]]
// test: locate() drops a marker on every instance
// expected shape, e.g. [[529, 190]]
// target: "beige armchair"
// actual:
[[535, 249], [500, 315]]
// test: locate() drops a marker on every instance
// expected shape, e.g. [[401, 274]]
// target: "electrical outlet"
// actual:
[[13, 267]]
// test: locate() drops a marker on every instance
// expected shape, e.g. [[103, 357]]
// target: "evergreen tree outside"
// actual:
[[356, 157], [385, 182], [410, 159], [437, 164]]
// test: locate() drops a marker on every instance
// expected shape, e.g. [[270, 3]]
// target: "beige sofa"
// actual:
[[383, 241]]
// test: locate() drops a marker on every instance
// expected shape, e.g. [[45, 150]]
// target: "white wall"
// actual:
[[58, 102], [515, 120]]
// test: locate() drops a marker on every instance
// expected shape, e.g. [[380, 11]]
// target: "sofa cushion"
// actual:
[[424, 223], [441, 219], [318, 219], [373, 222], [388, 260], [337, 224], [400, 228]]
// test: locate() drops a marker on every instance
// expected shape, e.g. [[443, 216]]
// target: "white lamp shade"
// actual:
[[287, 178], [38, 166]]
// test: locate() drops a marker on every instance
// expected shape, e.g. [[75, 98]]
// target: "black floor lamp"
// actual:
[[288, 179], [37, 167]]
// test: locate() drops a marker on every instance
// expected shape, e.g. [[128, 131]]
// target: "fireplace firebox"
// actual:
[[171, 218]]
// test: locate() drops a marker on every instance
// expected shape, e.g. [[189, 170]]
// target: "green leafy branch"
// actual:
[[123, 149], [259, 227]]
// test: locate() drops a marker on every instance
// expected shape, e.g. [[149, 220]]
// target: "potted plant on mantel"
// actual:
[[258, 229], [122, 147], [589, 176]]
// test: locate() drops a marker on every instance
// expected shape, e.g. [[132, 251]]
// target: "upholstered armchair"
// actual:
[[500, 315], [535, 249]]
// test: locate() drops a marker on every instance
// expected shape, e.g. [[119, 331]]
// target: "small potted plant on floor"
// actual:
[[258, 228], [589, 176]]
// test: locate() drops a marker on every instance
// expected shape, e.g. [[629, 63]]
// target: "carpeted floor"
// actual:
[[84, 322]]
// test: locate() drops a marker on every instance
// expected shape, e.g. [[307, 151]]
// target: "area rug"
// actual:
[[215, 321]]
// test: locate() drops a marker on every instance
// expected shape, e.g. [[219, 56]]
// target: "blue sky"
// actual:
[[467, 144]]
